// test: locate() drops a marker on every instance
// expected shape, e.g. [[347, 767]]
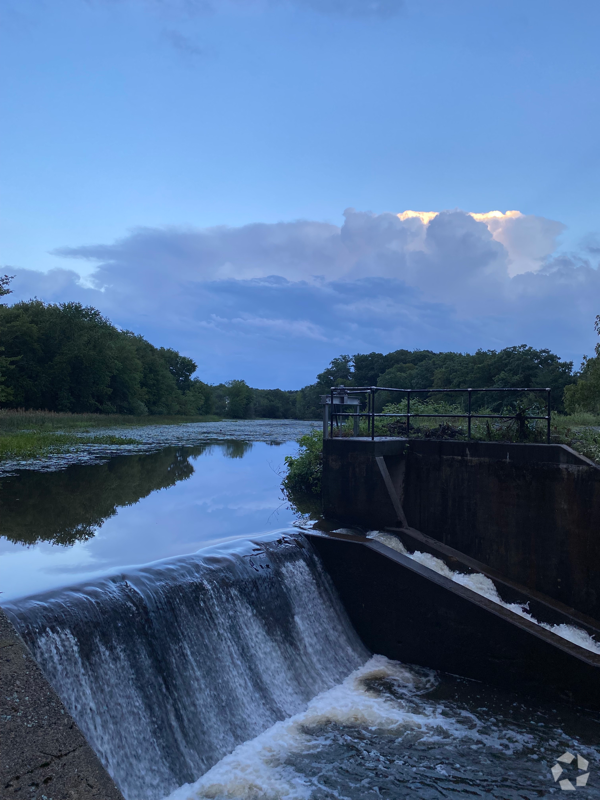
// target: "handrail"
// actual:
[[371, 414]]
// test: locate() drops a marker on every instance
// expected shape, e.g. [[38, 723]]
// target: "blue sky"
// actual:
[[185, 166]]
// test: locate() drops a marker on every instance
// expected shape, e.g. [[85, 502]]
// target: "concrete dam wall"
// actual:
[[531, 512], [168, 668]]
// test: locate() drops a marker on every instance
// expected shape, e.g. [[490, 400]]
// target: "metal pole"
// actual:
[[469, 422], [408, 414], [372, 413], [331, 416], [548, 413]]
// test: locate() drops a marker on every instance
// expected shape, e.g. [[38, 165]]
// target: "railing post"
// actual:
[[408, 413], [331, 416], [469, 410], [372, 413], [326, 407], [548, 413]]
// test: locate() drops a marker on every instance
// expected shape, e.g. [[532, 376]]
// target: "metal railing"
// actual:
[[371, 414]]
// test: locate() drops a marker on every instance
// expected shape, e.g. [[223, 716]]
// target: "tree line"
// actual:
[[69, 357]]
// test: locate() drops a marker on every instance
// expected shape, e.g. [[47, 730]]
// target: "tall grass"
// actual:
[[20, 419], [27, 433], [32, 444]]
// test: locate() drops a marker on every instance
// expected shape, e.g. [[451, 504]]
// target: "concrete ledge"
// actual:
[[493, 451], [43, 754]]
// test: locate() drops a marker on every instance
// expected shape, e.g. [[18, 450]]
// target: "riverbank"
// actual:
[[32, 444], [26, 434], [20, 420]]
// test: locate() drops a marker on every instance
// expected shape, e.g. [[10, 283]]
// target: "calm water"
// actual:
[[240, 673], [105, 512]]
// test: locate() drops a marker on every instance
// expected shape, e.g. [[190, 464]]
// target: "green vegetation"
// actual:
[[581, 431], [584, 396], [69, 358], [517, 367], [19, 419], [441, 421], [304, 470], [30, 444], [5, 363]]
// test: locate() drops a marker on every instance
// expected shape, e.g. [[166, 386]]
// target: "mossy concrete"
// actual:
[[43, 754]]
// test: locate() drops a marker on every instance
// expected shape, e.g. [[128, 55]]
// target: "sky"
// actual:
[[236, 178]]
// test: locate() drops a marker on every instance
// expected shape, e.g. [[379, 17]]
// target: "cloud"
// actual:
[[183, 44], [273, 303], [529, 240]]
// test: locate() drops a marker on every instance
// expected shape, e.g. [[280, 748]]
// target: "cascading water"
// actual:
[[168, 668]]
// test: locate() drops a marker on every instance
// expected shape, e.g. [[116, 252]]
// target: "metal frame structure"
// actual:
[[371, 391]]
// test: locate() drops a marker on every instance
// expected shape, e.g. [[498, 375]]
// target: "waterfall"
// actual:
[[167, 668]]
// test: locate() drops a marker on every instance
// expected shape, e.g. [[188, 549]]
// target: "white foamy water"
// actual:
[[485, 587], [263, 768], [167, 668]]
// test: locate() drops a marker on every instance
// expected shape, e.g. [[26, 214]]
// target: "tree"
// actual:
[[68, 357], [180, 367], [238, 397], [4, 284], [5, 363], [338, 373], [585, 394]]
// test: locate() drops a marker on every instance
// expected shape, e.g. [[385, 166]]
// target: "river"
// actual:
[[172, 600]]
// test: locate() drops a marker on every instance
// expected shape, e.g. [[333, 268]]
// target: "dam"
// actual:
[[294, 662]]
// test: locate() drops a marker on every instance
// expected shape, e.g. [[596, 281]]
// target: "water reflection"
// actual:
[[61, 527], [235, 449], [64, 507]]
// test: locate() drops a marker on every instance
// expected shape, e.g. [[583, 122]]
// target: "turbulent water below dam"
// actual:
[[231, 672], [234, 673]]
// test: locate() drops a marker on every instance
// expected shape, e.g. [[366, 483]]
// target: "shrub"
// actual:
[[304, 470]]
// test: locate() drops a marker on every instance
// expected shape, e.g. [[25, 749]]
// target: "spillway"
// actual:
[[167, 668]]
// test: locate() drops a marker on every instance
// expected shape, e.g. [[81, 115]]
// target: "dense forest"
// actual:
[[519, 366], [68, 357]]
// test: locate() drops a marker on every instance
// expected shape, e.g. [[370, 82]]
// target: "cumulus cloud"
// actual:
[[273, 303], [441, 253]]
